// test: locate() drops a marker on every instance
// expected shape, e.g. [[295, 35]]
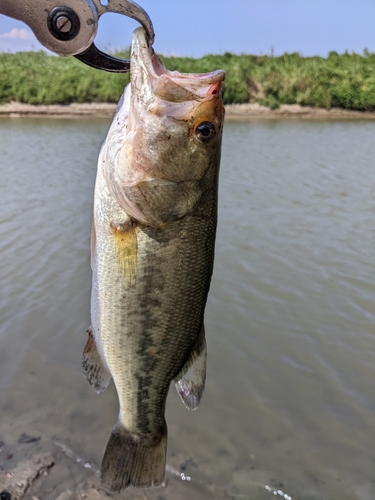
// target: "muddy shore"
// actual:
[[251, 111], [47, 466]]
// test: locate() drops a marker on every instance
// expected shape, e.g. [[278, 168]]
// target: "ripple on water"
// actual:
[[290, 317]]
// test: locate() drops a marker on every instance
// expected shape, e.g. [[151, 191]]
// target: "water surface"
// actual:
[[290, 395]]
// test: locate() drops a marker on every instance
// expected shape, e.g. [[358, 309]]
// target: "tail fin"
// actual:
[[130, 460]]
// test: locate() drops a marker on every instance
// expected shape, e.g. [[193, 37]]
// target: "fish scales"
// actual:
[[154, 225], [163, 313]]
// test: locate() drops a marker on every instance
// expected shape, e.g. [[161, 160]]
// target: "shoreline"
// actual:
[[250, 111]]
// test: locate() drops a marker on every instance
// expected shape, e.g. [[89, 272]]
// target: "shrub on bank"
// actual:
[[343, 81]]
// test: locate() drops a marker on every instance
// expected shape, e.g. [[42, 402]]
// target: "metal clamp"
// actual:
[[69, 27]]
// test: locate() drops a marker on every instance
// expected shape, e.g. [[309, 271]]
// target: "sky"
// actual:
[[198, 27]]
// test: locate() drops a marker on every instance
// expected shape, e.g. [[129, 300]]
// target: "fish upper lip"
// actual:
[[194, 83]]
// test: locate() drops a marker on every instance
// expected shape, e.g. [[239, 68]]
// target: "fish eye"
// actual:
[[205, 131]]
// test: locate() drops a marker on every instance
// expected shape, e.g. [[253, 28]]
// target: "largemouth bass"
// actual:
[[153, 237]]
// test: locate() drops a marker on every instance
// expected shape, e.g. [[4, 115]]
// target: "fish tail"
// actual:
[[130, 460]]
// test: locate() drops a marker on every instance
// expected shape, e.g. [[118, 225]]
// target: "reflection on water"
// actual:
[[290, 390]]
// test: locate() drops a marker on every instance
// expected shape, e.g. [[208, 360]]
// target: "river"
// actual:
[[289, 403]]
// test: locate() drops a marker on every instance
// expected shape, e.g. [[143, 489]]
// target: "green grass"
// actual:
[[339, 81]]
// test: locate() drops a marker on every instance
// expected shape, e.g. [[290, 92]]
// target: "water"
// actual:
[[290, 395]]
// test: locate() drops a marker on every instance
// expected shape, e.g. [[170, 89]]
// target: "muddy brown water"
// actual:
[[290, 395]]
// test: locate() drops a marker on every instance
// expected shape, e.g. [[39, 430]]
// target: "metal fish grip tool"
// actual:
[[69, 27]]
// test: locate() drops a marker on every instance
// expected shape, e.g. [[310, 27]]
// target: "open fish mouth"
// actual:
[[153, 80]]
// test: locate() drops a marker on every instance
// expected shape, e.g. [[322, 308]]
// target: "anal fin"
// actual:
[[97, 375], [191, 379]]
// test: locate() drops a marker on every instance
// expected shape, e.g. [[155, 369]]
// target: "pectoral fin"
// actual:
[[190, 381], [125, 240], [97, 375]]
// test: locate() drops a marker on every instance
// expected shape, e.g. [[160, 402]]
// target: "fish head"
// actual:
[[176, 118], [168, 129]]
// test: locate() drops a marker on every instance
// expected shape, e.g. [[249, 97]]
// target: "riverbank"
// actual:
[[250, 111], [344, 81]]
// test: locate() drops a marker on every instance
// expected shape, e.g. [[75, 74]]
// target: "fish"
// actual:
[[152, 251]]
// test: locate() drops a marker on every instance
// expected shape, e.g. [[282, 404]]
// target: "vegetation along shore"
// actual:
[[290, 85]]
